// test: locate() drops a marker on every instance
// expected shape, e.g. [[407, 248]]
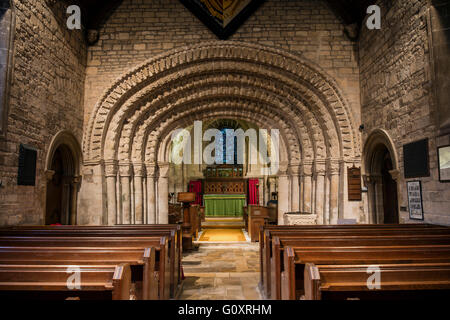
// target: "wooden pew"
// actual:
[[257, 218], [142, 262], [159, 243], [175, 213], [50, 282], [295, 259], [328, 233], [398, 281], [172, 232], [275, 264], [267, 231]]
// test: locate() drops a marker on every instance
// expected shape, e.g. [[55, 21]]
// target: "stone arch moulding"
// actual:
[[129, 125], [299, 75]]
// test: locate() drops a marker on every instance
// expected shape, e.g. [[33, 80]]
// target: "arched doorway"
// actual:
[[62, 180], [380, 177], [390, 203]]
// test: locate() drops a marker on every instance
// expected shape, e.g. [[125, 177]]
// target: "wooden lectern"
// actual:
[[187, 198]]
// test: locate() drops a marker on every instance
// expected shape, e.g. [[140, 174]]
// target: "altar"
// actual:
[[230, 205]]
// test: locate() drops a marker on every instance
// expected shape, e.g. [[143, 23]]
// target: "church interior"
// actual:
[[224, 149]]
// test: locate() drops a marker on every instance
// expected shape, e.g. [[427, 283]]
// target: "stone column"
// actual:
[[320, 195], [396, 176], [65, 199], [307, 188], [302, 182], [261, 192], [283, 197], [366, 200], [379, 202], [125, 181], [138, 193], [295, 188], [266, 190], [151, 196], [333, 172], [73, 198], [48, 178], [179, 180], [163, 194], [111, 199]]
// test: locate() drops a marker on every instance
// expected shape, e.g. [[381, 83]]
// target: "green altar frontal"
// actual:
[[224, 204]]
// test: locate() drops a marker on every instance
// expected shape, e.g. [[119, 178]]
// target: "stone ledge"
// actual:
[[297, 219]]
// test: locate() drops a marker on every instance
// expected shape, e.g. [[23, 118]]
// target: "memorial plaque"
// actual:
[[415, 159], [414, 189], [27, 166], [354, 184]]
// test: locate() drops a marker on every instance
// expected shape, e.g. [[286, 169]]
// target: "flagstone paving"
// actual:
[[222, 271]]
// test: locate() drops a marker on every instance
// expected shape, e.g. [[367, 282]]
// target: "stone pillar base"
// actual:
[[298, 219]]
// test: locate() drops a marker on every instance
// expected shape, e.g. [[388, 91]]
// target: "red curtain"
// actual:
[[196, 186], [253, 192]]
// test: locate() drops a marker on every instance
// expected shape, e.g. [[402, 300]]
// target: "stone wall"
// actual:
[[397, 94], [140, 30], [440, 35], [46, 97]]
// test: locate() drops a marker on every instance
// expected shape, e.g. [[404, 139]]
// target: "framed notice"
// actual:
[[414, 189], [444, 163]]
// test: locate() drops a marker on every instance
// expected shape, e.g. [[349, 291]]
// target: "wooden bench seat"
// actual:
[[171, 231], [268, 232], [341, 235], [159, 243], [142, 262], [397, 281], [278, 244], [172, 234], [295, 259], [51, 281]]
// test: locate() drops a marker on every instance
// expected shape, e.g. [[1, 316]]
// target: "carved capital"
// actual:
[[307, 168], [333, 167], [139, 169], [125, 169], [395, 174], [283, 168], [320, 167], [163, 170], [294, 170], [367, 179], [49, 175], [151, 170], [110, 168], [76, 180]]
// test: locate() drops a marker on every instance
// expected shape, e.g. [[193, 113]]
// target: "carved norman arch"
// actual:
[[270, 87]]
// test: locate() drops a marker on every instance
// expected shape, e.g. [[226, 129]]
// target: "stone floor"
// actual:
[[222, 271]]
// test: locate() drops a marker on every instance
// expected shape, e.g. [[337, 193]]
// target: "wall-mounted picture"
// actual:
[[414, 189], [444, 163]]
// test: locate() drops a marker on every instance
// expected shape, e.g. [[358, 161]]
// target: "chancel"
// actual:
[[237, 150]]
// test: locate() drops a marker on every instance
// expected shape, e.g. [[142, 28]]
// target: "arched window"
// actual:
[[6, 39], [224, 143]]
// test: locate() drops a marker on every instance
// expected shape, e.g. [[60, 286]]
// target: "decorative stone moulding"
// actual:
[[299, 218]]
